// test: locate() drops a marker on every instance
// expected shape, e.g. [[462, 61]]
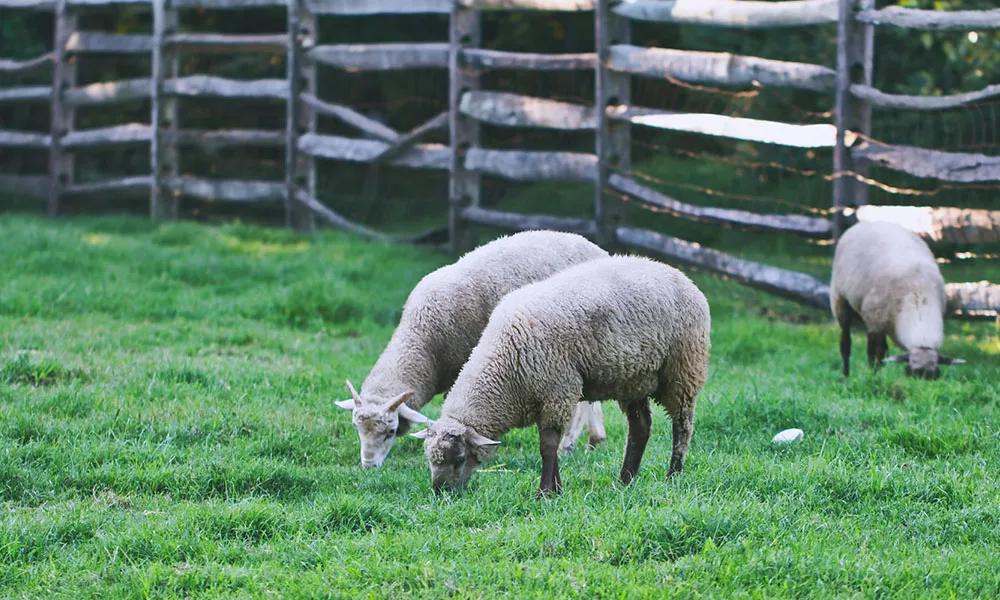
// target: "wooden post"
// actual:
[[63, 117], [297, 215], [301, 116], [156, 188], [464, 186], [168, 152], [861, 54], [614, 137], [855, 50]]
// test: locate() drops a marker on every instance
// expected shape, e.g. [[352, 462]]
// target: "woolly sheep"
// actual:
[[442, 320], [888, 276], [623, 327]]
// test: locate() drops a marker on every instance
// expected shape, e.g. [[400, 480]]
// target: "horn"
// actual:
[[948, 360], [477, 439], [398, 401], [354, 392], [411, 415]]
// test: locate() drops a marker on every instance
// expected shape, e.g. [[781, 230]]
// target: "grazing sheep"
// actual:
[[442, 320], [888, 277], [623, 327]]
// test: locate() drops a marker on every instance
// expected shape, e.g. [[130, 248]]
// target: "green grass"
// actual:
[[167, 430]]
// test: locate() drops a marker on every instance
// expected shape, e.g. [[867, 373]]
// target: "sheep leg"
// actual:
[[880, 350], [877, 347], [845, 346], [640, 421], [683, 423], [873, 347], [844, 314], [568, 443], [548, 442], [595, 426]]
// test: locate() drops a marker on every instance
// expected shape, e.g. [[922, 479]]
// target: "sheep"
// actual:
[[622, 327], [888, 276], [441, 323]]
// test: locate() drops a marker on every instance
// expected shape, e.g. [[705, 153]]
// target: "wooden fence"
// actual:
[[611, 117]]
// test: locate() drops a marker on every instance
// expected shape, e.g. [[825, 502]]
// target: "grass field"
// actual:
[[167, 430]]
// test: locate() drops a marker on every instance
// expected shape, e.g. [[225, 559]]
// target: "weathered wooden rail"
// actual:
[[611, 117]]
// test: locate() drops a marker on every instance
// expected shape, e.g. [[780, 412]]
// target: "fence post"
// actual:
[[168, 168], [614, 138], [861, 54], [297, 215], [855, 52], [464, 186], [156, 188], [62, 116], [305, 118]]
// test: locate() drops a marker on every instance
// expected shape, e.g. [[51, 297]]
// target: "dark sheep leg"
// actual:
[[640, 421], [548, 442], [880, 350], [845, 346], [683, 423]]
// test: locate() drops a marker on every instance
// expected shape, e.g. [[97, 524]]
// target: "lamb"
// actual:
[[622, 327], [888, 276], [442, 320]]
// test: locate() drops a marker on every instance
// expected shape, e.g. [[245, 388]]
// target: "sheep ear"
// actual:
[[420, 435], [394, 404], [354, 392], [412, 416], [899, 358], [479, 440], [345, 404], [948, 360]]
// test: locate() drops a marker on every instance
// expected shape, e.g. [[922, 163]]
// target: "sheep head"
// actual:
[[924, 363], [379, 422], [454, 451]]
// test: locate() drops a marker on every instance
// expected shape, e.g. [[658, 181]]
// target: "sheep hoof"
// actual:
[[594, 442]]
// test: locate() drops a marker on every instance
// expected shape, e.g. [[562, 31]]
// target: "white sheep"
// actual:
[[888, 276], [623, 328], [442, 320]]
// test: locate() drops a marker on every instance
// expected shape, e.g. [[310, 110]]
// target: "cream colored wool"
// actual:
[[622, 328], [889, 277], [442, 320]]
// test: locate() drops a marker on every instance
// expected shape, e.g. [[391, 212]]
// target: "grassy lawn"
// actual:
[[167, 429]]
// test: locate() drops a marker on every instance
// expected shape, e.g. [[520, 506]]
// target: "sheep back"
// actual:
[[446, 311], [622, 327]]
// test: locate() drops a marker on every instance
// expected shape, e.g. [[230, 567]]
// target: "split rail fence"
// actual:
[[615, 62]]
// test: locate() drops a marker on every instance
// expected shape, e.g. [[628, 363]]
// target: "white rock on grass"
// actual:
[[788, 435]]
